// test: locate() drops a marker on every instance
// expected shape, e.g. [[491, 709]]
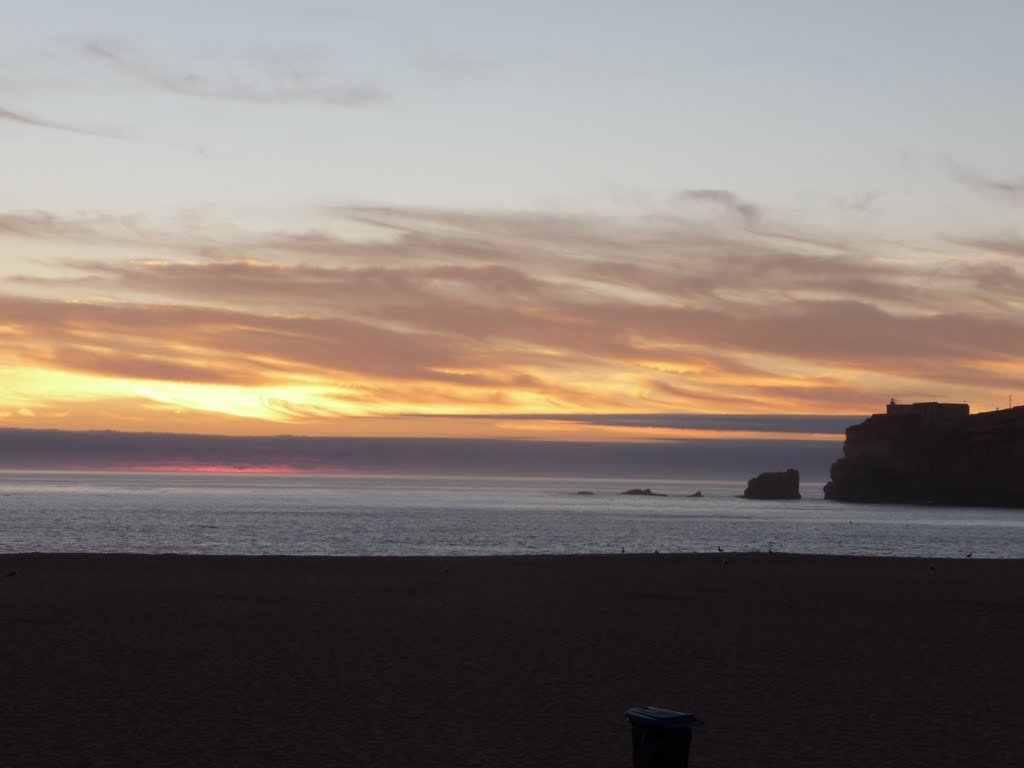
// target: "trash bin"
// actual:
[[661, 737]]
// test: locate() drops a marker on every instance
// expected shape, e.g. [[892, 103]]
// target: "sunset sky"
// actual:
[[440, 219]]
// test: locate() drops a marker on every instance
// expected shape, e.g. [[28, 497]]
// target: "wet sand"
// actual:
[[818, 661]]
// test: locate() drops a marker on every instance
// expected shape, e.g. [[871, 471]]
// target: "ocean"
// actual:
[[239, 514]]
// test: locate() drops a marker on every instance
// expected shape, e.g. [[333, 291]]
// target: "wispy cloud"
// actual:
[[253, 341], [267, 79], [795, 424], [748, 212], [25, 118], [44, 225], [1006, 246], [1008, 190]]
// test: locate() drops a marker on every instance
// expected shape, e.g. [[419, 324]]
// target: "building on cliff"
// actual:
[[931, 414], [933, 453]]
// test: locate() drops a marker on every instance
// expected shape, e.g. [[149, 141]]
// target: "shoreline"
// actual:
[[779, 554], [508, 660]]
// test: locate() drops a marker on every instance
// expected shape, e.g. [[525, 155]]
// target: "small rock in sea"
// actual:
[[642, 492], [697, 495], [584, 493]]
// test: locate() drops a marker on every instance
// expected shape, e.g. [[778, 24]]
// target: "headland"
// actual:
[[933, 453]]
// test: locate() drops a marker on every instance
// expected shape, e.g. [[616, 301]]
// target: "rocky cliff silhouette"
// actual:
[[933, 453]]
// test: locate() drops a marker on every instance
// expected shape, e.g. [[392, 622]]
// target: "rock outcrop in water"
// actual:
[[933, 453], [774, 485]]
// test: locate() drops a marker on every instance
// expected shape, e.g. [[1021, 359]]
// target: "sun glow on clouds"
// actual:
[[267, 405], [577, 431], [464, 314]]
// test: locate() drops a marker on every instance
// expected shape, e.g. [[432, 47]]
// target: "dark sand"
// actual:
[[160, 661]]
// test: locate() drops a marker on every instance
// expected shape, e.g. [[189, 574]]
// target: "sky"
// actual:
[[557, 220]]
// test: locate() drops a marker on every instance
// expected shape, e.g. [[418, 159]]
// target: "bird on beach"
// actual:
[[721, 550], [969, 554]]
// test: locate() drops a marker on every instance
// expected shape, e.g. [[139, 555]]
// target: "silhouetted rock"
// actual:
[[933, 453], [697, 495], [642, 492], [584, 493], [774, 485]]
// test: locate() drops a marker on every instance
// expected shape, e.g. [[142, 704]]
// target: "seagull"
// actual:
[[721, 550]]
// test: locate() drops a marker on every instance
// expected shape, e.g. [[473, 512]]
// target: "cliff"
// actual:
[[936, 453]]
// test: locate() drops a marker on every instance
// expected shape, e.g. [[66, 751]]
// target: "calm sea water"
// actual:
[[331, 515]]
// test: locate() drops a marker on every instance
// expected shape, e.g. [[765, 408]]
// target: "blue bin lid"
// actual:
[[656, 717]]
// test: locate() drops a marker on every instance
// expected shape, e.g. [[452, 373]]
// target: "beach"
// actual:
[[163, 660]]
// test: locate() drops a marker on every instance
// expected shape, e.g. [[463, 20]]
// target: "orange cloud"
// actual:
[[466, 313]]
